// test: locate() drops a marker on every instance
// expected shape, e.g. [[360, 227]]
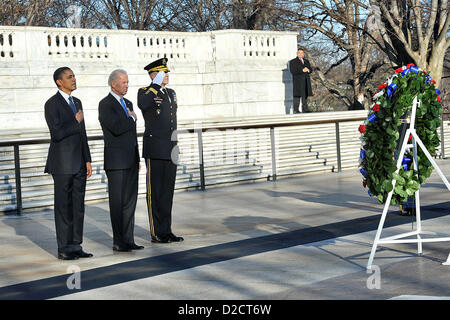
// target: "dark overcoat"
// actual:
[[301, 80]]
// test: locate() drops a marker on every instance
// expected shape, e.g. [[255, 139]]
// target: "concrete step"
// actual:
[[183, 173], [45, 182], [288, 171]]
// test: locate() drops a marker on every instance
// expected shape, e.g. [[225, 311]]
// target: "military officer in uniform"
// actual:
[[159, 109]]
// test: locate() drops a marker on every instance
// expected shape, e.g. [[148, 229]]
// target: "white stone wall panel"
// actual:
[[225, 73]]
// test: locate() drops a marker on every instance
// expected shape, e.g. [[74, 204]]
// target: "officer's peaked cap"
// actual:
[[157, 65]]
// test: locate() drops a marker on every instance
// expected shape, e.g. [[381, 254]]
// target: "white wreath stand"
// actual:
[[399, 238]]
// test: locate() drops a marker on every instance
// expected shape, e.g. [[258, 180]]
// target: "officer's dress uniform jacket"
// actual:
[[160, 114]]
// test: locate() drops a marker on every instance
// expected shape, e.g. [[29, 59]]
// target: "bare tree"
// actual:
[[35, 11], [414, 31], [251, 14], [206, 15], [25, 12], [11, 12], [200, 15], [130, 14]]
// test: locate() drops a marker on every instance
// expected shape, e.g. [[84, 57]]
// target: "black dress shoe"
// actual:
[[134, 246], [67, 256], [82, 254], [121, 248], [174, 238], [160, 239]]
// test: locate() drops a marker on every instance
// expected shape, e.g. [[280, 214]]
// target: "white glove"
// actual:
[[159, 78]]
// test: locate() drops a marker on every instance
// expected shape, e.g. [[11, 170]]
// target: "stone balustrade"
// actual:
[[65, 44], [225, 73]]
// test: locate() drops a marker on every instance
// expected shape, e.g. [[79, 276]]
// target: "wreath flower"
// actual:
[[380, 134]]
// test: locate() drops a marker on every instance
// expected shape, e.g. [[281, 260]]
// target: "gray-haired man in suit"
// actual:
[[121, 159]]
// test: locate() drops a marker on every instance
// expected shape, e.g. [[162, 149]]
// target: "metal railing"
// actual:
[[442, 134], [16, 143]]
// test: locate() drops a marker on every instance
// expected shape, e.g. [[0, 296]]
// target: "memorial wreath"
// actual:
[[380, 134]]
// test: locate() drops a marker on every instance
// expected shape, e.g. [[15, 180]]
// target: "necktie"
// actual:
[[124, 107], [167, 94], [72, 105], [122, 102], [302, 61]]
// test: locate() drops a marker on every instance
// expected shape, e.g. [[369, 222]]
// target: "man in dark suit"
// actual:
[[121, 160], [159, 108], [69, 163], [359, 103], [300, 70]]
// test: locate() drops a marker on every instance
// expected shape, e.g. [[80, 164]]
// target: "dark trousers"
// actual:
[[161, 175], [69, 193], [297, 104], [123, 193]]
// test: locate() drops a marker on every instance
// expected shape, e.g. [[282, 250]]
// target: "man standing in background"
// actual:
[[300, 70], [69, 163], [121, 160], [359, 103]]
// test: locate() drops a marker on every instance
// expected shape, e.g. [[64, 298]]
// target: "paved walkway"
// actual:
[[307, 237]]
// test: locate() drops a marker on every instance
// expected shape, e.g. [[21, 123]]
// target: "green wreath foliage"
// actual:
[[380, 134]]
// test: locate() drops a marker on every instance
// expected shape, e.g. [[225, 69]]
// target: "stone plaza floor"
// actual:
[[298, 238]]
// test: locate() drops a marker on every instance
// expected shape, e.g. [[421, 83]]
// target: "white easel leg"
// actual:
[[387, 203], [419, 223], [424, 149], [417, 199], [380, 228], [447, 263]]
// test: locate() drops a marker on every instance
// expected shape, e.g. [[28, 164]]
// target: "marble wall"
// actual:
[[228, 73]]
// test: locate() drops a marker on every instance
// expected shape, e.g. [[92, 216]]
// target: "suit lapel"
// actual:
[[64, 103], [77, 104], [117, 104], [128, 104], [166, 95]]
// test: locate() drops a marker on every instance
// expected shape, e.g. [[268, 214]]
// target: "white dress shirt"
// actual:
[[65, 96]]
